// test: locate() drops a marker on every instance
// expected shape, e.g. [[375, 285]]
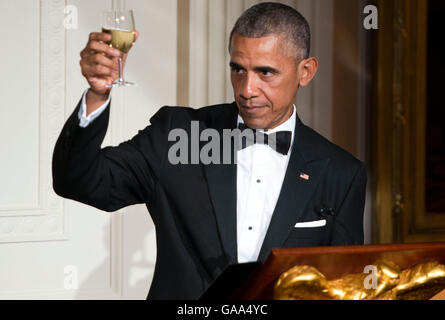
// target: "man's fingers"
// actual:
[[103, 60], [95, 66], [96, 46], [99, 71], [99, 36], [136, 34], [83, 53], [99, 61], [99, 84], [102, 71], [106, 37]]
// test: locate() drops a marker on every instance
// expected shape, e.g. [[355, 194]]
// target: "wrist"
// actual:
[[94, 96], [95, 100]]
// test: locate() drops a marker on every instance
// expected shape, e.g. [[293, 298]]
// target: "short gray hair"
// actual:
[[270, 18]]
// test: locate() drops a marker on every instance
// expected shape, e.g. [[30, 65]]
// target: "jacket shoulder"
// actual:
[[180, 115], [321, 147]]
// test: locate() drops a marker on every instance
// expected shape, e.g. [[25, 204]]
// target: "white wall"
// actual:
[[41, 234]]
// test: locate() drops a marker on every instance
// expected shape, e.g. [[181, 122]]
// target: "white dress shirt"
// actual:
[[260, 175], [84, 120]]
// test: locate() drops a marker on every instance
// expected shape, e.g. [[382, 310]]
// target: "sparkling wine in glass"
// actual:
[[120, 24]]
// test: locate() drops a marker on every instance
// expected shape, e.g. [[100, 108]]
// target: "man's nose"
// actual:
[[249, 87]]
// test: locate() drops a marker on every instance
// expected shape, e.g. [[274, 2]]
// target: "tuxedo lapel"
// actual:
[[222, 184], [296, 190]]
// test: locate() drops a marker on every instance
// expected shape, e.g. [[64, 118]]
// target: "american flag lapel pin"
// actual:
[[304, 176]]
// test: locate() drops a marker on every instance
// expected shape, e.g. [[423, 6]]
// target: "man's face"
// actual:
[[265, 80]]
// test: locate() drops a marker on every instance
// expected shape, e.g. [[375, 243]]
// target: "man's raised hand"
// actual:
[[99, 65]]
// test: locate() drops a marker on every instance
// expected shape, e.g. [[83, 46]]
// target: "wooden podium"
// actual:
[[334, 262]]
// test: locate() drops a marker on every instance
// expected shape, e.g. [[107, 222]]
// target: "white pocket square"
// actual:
[[312, 224]]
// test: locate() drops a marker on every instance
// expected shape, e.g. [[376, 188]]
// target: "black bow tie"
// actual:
[[279, 141]]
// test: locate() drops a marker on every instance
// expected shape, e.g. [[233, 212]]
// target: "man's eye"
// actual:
[[267, 73], [236, 70]]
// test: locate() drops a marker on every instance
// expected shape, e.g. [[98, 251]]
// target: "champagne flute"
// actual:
[[120, 24]]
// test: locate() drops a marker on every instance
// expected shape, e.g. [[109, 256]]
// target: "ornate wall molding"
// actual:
[[48, 220]]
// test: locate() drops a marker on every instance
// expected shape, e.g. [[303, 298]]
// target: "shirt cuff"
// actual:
[[86, 121]]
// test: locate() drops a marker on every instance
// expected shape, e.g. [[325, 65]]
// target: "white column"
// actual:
[[217, 65], [234, 9], [199, 55]]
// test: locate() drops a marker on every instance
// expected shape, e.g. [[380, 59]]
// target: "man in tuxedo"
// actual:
[[303, 192]]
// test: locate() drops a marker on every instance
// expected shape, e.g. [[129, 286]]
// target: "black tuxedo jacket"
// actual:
[[194, 206]]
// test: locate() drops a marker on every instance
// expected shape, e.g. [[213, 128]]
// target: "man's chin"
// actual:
[[257, 124]]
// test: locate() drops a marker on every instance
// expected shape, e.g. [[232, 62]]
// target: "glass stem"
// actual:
[[121, 71]]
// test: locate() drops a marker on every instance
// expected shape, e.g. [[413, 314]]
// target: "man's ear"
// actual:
[[307, 70]]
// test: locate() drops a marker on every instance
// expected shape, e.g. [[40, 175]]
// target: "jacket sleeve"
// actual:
[[114, 177], [348, 223]]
